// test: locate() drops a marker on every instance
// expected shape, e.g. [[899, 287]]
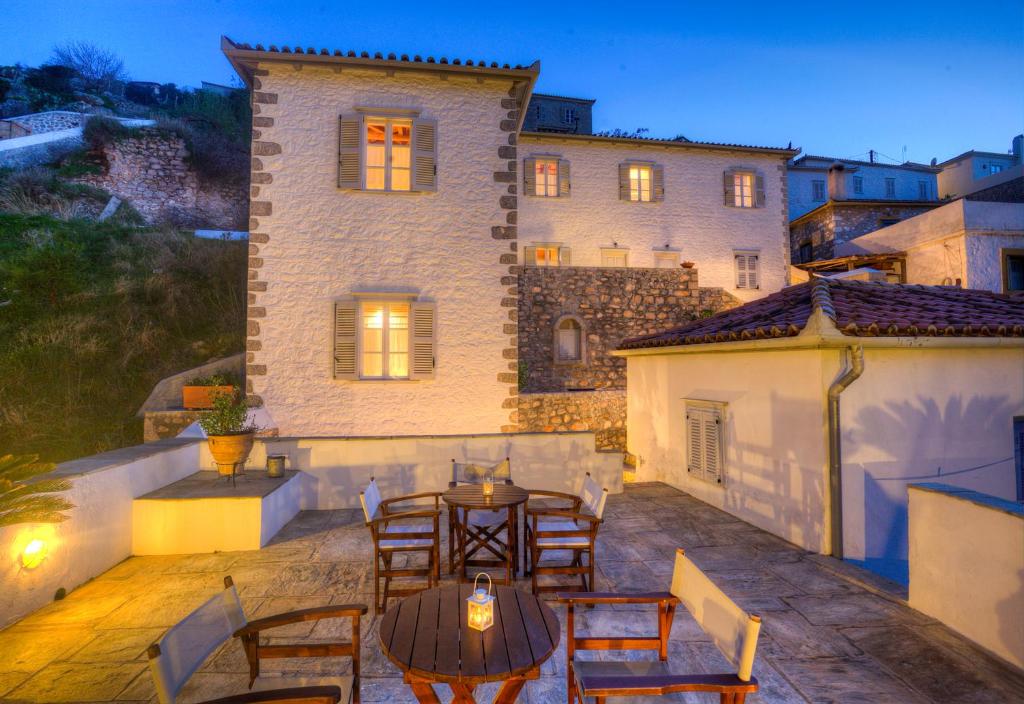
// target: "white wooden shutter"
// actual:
[[423, 340], [657, 183], [530, 176], [730, 189], [694, 456], [345, 330], [424, 134], [624, 181], [564, 256], [564, 186], [741, 271], [759, 198], [712, 439], [350, 149], [752, 272], [529, 256]]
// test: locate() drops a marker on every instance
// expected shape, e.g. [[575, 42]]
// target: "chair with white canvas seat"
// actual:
[[180, 652], [571, 528], [475, 473], [412, 530]]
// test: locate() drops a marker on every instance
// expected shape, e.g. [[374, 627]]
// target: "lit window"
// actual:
[[614, 257], [995, 168], [890, 188], [388, 154], [743, 189], [858, 185], [569, 341], [818, 190], [546, 171], [666, 260], [385, 340], [546, 255], [640, 183]]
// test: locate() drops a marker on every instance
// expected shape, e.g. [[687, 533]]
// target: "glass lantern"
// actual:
[[481, 605], [488, 485]]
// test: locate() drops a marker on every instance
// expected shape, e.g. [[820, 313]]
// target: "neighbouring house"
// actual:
[[557, 113], [959, 175], [969, 243], [418, 257], [219, 88], [927, 382]]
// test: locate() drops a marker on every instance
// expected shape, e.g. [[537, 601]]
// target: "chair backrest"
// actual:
[[181, 650], [370, 499], [731, 629], [474, 473], [594, 497]]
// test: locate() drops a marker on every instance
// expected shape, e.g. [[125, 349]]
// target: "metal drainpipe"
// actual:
[[854, 368]]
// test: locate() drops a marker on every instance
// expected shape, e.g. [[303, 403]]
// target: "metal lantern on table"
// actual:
[[481, 605], [488, 485]]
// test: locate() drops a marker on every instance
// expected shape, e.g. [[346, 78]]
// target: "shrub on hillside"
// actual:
[[99, 131], [212, 153], [51, 78], [5, 87]]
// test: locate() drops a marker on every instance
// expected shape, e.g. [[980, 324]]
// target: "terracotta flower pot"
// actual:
[[688, 265], [201, 397], [231, 451]]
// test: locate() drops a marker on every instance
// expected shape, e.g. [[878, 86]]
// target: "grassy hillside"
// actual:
[[93, 314]]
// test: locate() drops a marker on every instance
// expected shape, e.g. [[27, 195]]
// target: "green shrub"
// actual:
[[51, 78], [228, 416], [77, 164], [225, 379], [5, 86], [100, 131]]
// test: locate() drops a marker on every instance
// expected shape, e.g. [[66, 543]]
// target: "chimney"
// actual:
[[1017, 146], [837, 182]]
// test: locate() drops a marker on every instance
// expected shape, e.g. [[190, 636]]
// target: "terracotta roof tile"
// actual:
[[858, 309]]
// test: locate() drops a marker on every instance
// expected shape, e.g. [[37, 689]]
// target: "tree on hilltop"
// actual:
[[97, 66]]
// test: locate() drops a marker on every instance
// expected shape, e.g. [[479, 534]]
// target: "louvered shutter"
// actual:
[[423, 340], [730, 189], [530, 176], [529, 256], [741, 271], [657, 183], [345, 329], [424, 133], [752, 271], [563, 178], [759, 190], [564, 256], [350, 147], [624, 181], [694, 446], [712, 440]]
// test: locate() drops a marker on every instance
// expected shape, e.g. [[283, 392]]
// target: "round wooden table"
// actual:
[[427, 637], [475, 537]]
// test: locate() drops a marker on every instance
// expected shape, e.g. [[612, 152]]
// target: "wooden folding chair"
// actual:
[[179, 653], [731, 629], [571, 528], [405, 531], [474, 473]]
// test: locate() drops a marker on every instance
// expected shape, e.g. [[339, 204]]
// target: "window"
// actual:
[[666, 260], [568, 340], [569, 116], [995, 168], [614, 256], [546, 255], [747, 270], [890, 188], [744, 188], [641, 182], [858, 185], [385, 153], [806, 253], [388, 337], [546, 176], [818, 191], [922, 190], [1013, 270], [704, 452]]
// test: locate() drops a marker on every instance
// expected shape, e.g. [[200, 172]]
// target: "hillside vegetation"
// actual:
[[93, 314]]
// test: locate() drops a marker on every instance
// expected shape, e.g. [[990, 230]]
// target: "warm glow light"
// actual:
[[33, 554], [481, 606]]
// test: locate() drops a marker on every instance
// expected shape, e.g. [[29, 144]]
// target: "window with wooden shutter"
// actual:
[[658, 179], [759, 197], [350, 146], [744, 188], [564, 256], [424, 134], [564, 185], [345, 316], [624, 184], [530, 176], [705, 456], [424, 340], [747, 275]]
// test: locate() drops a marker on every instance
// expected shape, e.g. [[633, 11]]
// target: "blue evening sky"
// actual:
[[835, 78]]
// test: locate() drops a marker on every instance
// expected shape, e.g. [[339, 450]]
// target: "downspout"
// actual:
[[854, 367]]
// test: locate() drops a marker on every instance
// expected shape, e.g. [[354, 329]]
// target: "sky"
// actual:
[[908, 79]]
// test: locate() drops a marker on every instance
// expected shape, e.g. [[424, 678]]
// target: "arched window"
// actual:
[[568, 340]]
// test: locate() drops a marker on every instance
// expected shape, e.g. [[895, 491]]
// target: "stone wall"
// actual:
[[51, 121], [603, 412], [835, 223], [151, 171], [610, 304]]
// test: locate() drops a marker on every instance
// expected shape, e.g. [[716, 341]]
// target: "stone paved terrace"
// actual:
[[829, 633]]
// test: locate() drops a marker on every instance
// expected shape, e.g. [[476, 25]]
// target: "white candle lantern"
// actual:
[[488, 484], [481, 605]]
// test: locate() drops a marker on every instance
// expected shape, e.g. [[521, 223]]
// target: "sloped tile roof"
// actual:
[[659, 141], [858, 309]]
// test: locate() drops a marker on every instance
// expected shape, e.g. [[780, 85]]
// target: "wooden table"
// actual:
[[426, 636], [474, 538]]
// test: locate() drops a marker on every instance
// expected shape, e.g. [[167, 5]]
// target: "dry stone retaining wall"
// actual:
[[52, 121], [603, 412]]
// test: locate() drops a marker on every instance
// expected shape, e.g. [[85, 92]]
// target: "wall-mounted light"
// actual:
[[33, 554]]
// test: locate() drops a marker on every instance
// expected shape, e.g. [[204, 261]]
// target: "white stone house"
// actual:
[[960, 174], [928, 384], [394, 201]]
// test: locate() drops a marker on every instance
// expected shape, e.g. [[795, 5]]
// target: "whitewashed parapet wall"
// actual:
[[691, 219], [312, 243]]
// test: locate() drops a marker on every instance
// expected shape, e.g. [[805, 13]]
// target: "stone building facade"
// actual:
[[815, 235], [603, 412]]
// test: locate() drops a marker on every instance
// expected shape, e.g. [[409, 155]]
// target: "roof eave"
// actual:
[[556, 136]]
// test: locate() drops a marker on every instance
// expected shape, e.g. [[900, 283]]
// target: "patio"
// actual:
[[831, 632]]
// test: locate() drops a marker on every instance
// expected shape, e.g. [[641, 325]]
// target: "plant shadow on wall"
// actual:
[[888, 447], [92, 315]]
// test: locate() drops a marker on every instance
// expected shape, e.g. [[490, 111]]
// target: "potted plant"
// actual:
[[229, 432], [687, 265], [198, 393]]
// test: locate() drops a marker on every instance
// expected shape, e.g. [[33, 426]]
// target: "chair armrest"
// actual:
[[553, 494], [616, 598], [327, 694], [562, 513], [435, 495], [403, 515], [314, 614]]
